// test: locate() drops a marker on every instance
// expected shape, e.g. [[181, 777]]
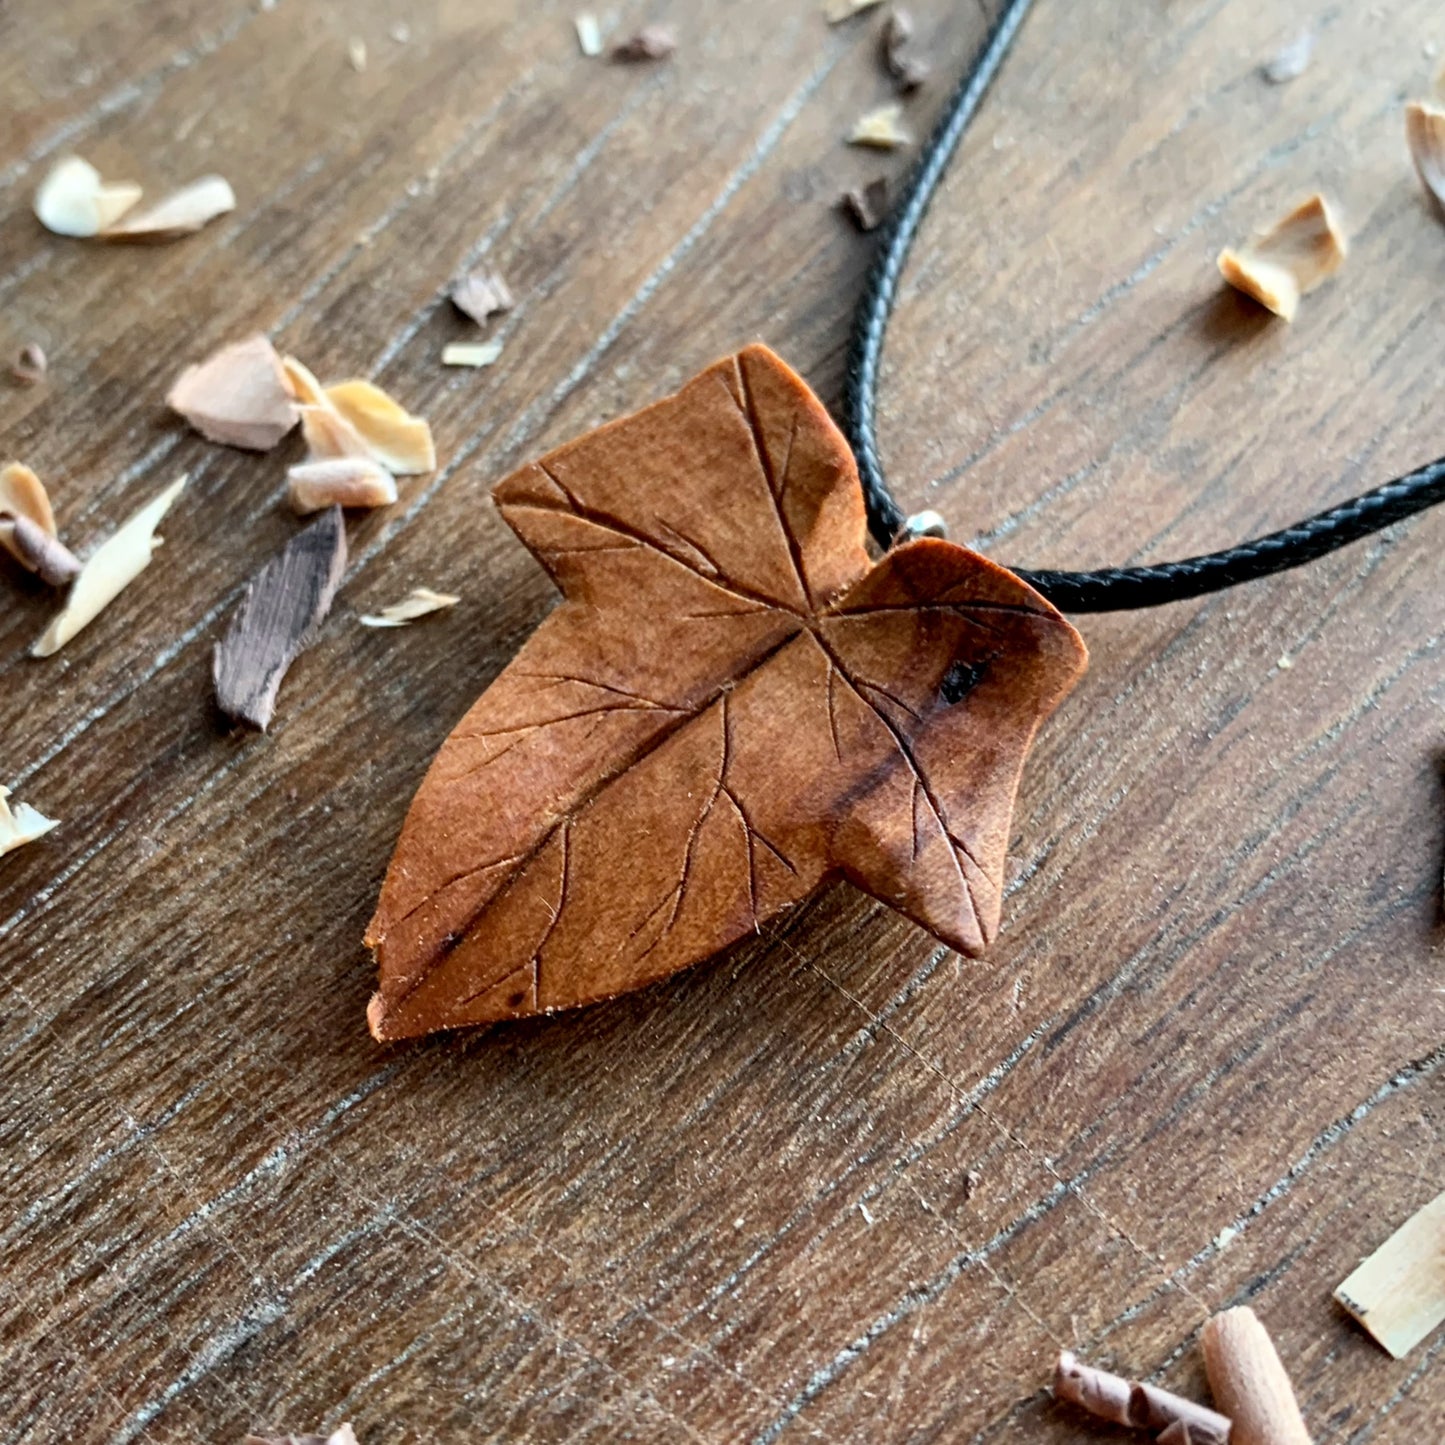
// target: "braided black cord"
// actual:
[[1111, 589]]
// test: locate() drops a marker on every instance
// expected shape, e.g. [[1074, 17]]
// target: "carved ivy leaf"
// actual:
[[731, 706]]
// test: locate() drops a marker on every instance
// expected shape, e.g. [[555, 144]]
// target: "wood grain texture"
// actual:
[[842, 1184]]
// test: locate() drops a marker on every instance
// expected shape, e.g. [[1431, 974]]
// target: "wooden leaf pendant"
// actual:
[[731, 706]]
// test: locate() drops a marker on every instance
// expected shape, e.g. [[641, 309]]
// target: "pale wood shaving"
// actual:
[[881, 128], [342, 1436], [1289, 260], [356, 53], [481, 294], [352, 481], [401, 442], [1425, 131], [238, 396], [21, 824], [419, 602], [1398, 1293], [180, 214], [837, 11], [328, 436], [30, 365], [73, 199], [479, 353], [301, 383], [106, 574], [27, 527], [23, 494], [1290, 61], [401, 32], [589, 33], [357, 418]]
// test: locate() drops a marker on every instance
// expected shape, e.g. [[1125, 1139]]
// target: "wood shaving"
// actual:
[[881, 128], [652, 42], [589, 33], [353, 481], [73, 200], [867, 205], [481, 294], [401, 442], [344, 1436], [837, 11], [181, 214], [239, 396], [1425, 131], [1290, 61], [479, 353], [1398, 1293], [21, 824], [23, 494], [1135, 1403], [1289, 260], [356, 418], [419, 602], [328, 436], [108, 572], [909, 71], [285, 603], [301, 384], [401, 32], [27, 527], [356, 53], [29, 365]]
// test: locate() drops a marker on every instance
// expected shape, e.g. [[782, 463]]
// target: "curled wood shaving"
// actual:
[[401, 442], [285, 603], [30, 365], [356, 418], [1398, 1293], [1289, 260], [73, 200], [652, 42], [481, 353], [238, 396], [181, 214], [1425, 131], [481, 294], [837, 11], [867, 205], [419, 602], [1290, 61], [881, 128], [356, 53], [21, 824], [354, 481], [27, 527], [301, 384], [589, 33], [22, 494], [106, 574]]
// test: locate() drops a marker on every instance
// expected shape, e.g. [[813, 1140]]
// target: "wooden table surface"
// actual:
[[839, 1184]]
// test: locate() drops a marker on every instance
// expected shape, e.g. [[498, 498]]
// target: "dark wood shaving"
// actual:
[[909, 71], [48, 557], [285, 603], [652, 42], [481, 294], [867, 205], [30, 365]]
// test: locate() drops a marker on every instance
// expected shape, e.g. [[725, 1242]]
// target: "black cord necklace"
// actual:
[[1110, 589]]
